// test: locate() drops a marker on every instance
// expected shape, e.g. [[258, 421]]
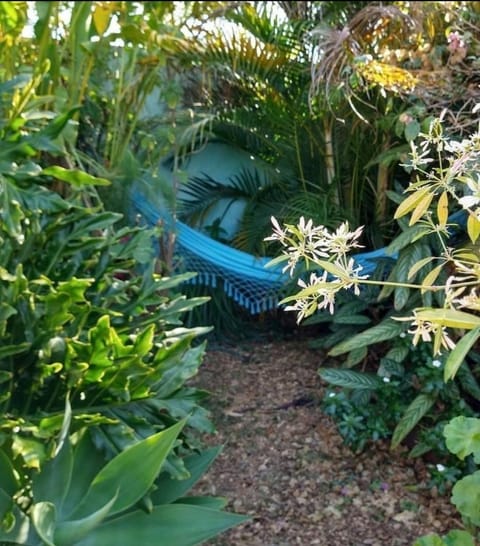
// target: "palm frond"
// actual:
[[202, 193]]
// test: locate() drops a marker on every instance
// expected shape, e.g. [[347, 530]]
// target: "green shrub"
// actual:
[[87, 324]]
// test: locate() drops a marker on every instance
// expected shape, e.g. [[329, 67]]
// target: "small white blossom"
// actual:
[[386, 379], [470, 301], [473, 198], [440, 467], [436, 363]]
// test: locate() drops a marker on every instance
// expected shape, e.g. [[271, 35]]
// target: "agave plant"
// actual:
[[76, 499]]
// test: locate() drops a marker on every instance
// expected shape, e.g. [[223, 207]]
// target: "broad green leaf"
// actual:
[[87, 462], [388, 329], [125, 476], [44, 519], [458, 537], [350, 379], [411, 234], [466, 497], [468, 381], [462, 437], [75, 177], [416, 410], [429, 540], [356, 356], [398, 353], [400, 297], [168, 525], [52, 482], [168, 490], [8, 480], [412, 129], [457, 355], [351, 319], [70, 532]]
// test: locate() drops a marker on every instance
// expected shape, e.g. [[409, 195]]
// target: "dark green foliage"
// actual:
[[405, 400]]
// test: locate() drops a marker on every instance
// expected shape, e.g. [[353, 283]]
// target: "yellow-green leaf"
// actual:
[[421, 208], [101, 16], [473, 227], [410, 203], [332, 269], [442, 209], [417, 266], [457, 355], [431, 277], [451, 318]]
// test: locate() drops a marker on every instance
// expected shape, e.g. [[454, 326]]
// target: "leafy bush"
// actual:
[[87, 324]]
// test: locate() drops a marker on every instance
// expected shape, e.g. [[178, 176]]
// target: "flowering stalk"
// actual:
[[453, 178]]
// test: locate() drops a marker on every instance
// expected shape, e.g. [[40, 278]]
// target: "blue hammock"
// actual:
[[242, 276]]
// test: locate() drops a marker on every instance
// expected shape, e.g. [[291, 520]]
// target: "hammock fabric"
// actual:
[[243, 277]]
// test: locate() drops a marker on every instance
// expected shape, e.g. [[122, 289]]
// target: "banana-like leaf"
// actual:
[[170, 525], [125, 476]]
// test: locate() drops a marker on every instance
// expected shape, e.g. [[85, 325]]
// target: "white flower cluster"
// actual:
[[320, 247]]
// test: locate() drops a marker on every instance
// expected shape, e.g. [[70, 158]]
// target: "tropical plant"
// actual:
[[86, 320], [258, 101], [445, 179], [77, 499], [384, 71]]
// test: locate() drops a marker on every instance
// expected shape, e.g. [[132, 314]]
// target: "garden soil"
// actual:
[[284, 464]]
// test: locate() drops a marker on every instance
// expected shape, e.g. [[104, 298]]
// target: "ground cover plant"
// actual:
[[444, 182]]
